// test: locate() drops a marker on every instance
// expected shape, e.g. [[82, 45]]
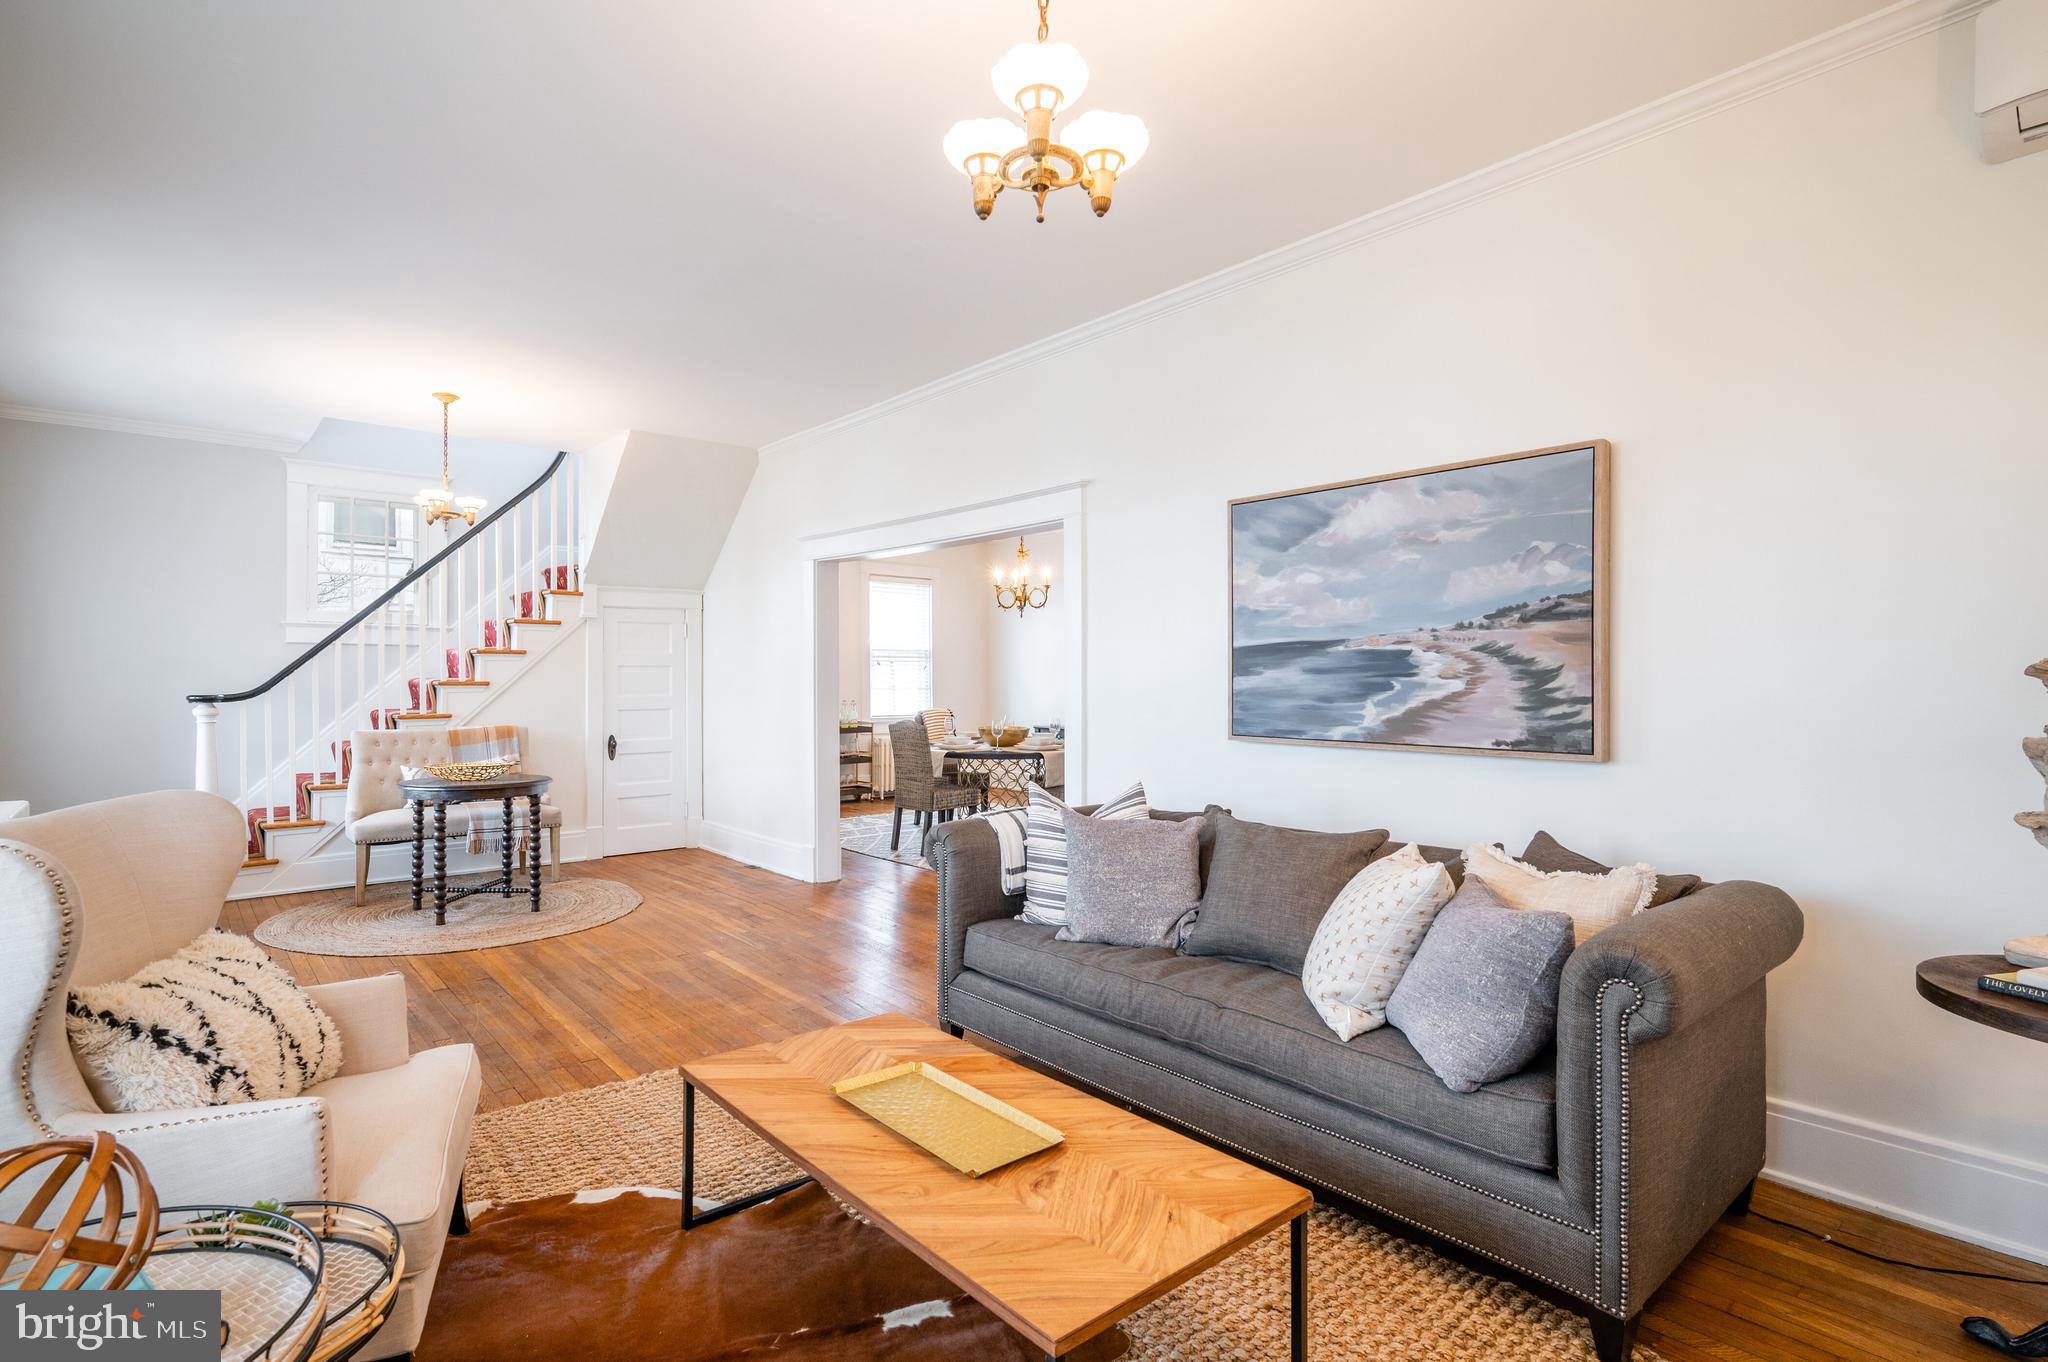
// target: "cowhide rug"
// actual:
[[610, 1274]]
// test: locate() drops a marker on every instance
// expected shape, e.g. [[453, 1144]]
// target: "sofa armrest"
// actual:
[[970, 865], [370, 1014], [233, 1154], [1688, 957]]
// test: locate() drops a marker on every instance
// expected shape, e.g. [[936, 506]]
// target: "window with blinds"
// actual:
[[899, 646]]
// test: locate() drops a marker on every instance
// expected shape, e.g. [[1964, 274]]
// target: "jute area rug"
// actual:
[[1375, 1297], [386, 925]]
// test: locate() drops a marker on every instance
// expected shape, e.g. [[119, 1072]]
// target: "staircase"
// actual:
[[428, 651]]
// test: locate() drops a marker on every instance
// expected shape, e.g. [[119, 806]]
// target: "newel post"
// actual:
[[206, 751]]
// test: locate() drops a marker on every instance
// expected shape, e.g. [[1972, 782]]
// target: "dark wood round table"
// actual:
[[437, 793], [1950, 983]]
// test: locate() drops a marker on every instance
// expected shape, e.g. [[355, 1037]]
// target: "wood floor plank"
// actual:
[[721, 955]]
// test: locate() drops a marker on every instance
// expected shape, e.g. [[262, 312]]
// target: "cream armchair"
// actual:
[[378, 814], [93, 893]]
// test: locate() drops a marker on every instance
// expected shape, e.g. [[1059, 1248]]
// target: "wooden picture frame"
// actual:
[[1517, 665]]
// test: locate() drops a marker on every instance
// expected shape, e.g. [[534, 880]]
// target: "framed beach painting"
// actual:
[[1461, 608]]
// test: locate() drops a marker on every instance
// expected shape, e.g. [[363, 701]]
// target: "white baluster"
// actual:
[[576, 523], [242, 754], [554, 543], [269, 758], [313, 719], [291, 742], [513, 585], [362, 689], [206, 747]]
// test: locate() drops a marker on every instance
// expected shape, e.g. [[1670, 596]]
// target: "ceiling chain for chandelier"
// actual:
[[1042, 81]]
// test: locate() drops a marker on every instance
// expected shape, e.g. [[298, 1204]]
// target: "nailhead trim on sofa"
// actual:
[[59, 972], [1600, 1122]]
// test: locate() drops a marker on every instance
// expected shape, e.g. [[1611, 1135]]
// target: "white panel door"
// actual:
[[646, 699]]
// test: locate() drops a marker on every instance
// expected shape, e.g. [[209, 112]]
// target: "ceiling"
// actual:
[[726, 220]]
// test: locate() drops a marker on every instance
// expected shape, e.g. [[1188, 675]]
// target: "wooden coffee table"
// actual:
[[1060, 1245]]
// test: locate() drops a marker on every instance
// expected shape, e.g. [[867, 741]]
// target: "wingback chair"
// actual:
[[378, 815], [93, 893], [918, 787]]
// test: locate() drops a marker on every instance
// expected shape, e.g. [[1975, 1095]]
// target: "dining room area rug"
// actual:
[[577, 1250], [867, 834]]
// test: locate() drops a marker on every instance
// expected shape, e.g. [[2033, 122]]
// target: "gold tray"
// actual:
[[937, 1112], [473, 770]]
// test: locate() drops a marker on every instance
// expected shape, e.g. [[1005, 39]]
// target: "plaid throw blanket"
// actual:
[[490, 742]]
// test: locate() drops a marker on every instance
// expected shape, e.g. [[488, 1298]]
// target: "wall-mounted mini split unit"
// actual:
[[2012, 78]]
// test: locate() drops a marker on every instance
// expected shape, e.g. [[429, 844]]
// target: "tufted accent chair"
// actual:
[[378, 814], [92, 894]]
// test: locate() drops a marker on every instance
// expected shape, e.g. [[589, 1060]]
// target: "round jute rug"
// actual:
[[1375, 1297], [386, 925]]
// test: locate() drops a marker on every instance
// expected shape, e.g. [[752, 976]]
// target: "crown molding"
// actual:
[[277, 444], [1838, 47]]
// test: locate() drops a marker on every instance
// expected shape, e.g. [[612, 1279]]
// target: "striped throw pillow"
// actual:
[[938, 724], [1045, 850]]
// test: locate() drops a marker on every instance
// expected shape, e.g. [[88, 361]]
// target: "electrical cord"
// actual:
[[1897, 1262]]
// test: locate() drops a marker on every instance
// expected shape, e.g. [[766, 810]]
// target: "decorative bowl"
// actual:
[[474, 770], [1004, 737]]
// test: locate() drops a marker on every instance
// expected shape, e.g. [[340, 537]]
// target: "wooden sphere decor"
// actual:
[[98, 1163]]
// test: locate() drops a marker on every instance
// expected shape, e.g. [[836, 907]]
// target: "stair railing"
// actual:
[[445, 600]]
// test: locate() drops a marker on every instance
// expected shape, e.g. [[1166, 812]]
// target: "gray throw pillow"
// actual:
[[1130, 882], [1479, 1001], [1547, 853], [1266, 888]]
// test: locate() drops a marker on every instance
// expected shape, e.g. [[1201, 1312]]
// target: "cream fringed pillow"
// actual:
[[218, 1022], [1593, 902], [1365, 941]]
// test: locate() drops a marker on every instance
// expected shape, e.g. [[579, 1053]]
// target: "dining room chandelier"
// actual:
[[438, 502], [1042, 81], [1016, 593]]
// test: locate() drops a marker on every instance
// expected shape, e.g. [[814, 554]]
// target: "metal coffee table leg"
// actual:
[[1298, 1267], [692, 1217]]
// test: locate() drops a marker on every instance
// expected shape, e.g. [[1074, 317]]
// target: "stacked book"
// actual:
[[2019, 983]]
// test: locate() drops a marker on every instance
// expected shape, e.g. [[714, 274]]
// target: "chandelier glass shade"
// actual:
[[1043, 81], [438, 502], [1016, 592]]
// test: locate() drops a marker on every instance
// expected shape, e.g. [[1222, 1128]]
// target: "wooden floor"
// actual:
[[721, 955]]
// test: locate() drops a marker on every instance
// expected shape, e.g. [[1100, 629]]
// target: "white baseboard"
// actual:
[[1966, 1193], [750, 848], [333, 866]]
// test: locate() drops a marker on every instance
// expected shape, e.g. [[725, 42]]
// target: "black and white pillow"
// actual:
[[1045, 850], [218, 1022]]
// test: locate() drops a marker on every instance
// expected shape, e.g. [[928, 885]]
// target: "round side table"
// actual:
[[437, 793], [1950, 983]]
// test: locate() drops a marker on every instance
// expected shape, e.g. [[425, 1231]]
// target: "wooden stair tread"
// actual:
[[422, 714], [315, 787], [458, 681], [258, 862], [533, 621], [497, 652], [552, 592], [283, 824]]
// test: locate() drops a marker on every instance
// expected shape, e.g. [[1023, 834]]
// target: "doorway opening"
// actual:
[[937, 695]]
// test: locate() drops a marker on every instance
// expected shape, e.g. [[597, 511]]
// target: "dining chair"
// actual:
[[920, 789]]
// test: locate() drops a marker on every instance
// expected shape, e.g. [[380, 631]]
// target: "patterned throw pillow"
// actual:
[[1045, 850], [1593, 902], [216, 1023], [1366, 940]]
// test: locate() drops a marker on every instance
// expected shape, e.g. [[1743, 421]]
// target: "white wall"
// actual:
[[1811, 324], [1027, 657], [960, 628], [138, 569], [665, 504]]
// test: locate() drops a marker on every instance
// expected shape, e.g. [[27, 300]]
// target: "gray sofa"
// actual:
[[1592, 1173]]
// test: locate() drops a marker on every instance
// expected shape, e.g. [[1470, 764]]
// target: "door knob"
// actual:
[[611, 748]]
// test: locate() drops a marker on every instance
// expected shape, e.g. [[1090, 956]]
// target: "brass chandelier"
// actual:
[[1042, 81], [438, 503], [1017, 593]]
